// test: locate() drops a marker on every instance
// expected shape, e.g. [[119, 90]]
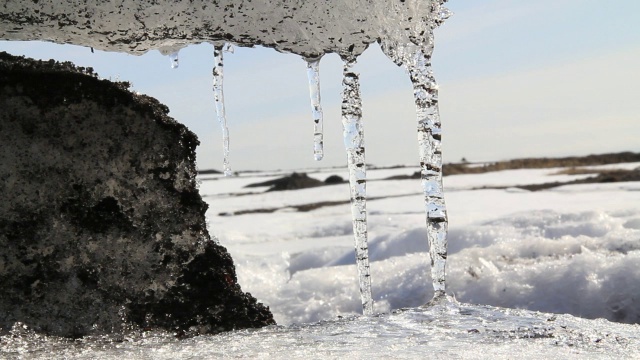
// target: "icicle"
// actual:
[[354, 144], [313, 73], [173, 57], [218, 96], [415, 56], [425, 90]]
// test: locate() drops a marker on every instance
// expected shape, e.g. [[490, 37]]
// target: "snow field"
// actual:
[[573, 249]]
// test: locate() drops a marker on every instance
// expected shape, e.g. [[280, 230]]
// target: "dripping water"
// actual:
[[173, 58], [313, 73], [218, 96], [354, 144]]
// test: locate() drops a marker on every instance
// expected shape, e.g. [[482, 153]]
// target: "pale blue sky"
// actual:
[[517, 78]]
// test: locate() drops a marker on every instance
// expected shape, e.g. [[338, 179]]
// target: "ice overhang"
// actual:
[[308, 28]]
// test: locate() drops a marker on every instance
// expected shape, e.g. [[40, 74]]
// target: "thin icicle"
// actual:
[[218, 96], [425, 90], [173, 57], [313, 73], [354, 144]]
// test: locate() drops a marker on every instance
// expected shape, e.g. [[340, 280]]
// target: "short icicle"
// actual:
[[425, 90], [175, 63], [218, 96], [313, 73], [354, 144]]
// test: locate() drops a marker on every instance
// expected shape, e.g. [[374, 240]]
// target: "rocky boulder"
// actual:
[[102, 227]]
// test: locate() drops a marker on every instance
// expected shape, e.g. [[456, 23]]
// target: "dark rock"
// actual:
[[334, 179], [101, 224], [292, 182], [209, 172]]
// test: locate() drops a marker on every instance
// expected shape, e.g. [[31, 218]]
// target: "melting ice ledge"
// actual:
[[414, 53]]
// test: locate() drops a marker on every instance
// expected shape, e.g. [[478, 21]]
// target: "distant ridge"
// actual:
[[530, 163], [542, 163]]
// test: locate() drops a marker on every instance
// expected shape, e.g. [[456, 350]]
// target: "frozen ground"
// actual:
[[442, 332], [569, 250]]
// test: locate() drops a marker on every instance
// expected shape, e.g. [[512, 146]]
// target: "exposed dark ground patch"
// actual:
[[531, 163], [604, 176], [296, 181]]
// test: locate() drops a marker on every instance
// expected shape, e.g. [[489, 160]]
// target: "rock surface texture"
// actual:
[[102, 227], [307, 28]]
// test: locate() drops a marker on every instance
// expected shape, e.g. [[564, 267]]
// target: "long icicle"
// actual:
[[313, 73], [425, 90], [354, 144], [218, 95]]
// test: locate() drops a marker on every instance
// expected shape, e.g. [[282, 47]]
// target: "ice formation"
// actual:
[[415, 56], [313, 73], [354, 144], [218, 96], [404, 29]]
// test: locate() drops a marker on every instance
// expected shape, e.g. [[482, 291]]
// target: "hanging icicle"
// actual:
[[354, 144], [218, 96], [313, 73], [173, 57], [425, 91], [415, 56]]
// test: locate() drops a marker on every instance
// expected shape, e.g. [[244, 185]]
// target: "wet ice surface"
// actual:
[[444, 331]]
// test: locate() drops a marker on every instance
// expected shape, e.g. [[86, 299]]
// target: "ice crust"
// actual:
[[307, 28], [455, 331]]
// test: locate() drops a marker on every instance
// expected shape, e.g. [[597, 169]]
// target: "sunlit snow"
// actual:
[[572, 249]]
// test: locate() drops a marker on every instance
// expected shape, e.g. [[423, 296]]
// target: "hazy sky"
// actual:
[[517, 78]]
